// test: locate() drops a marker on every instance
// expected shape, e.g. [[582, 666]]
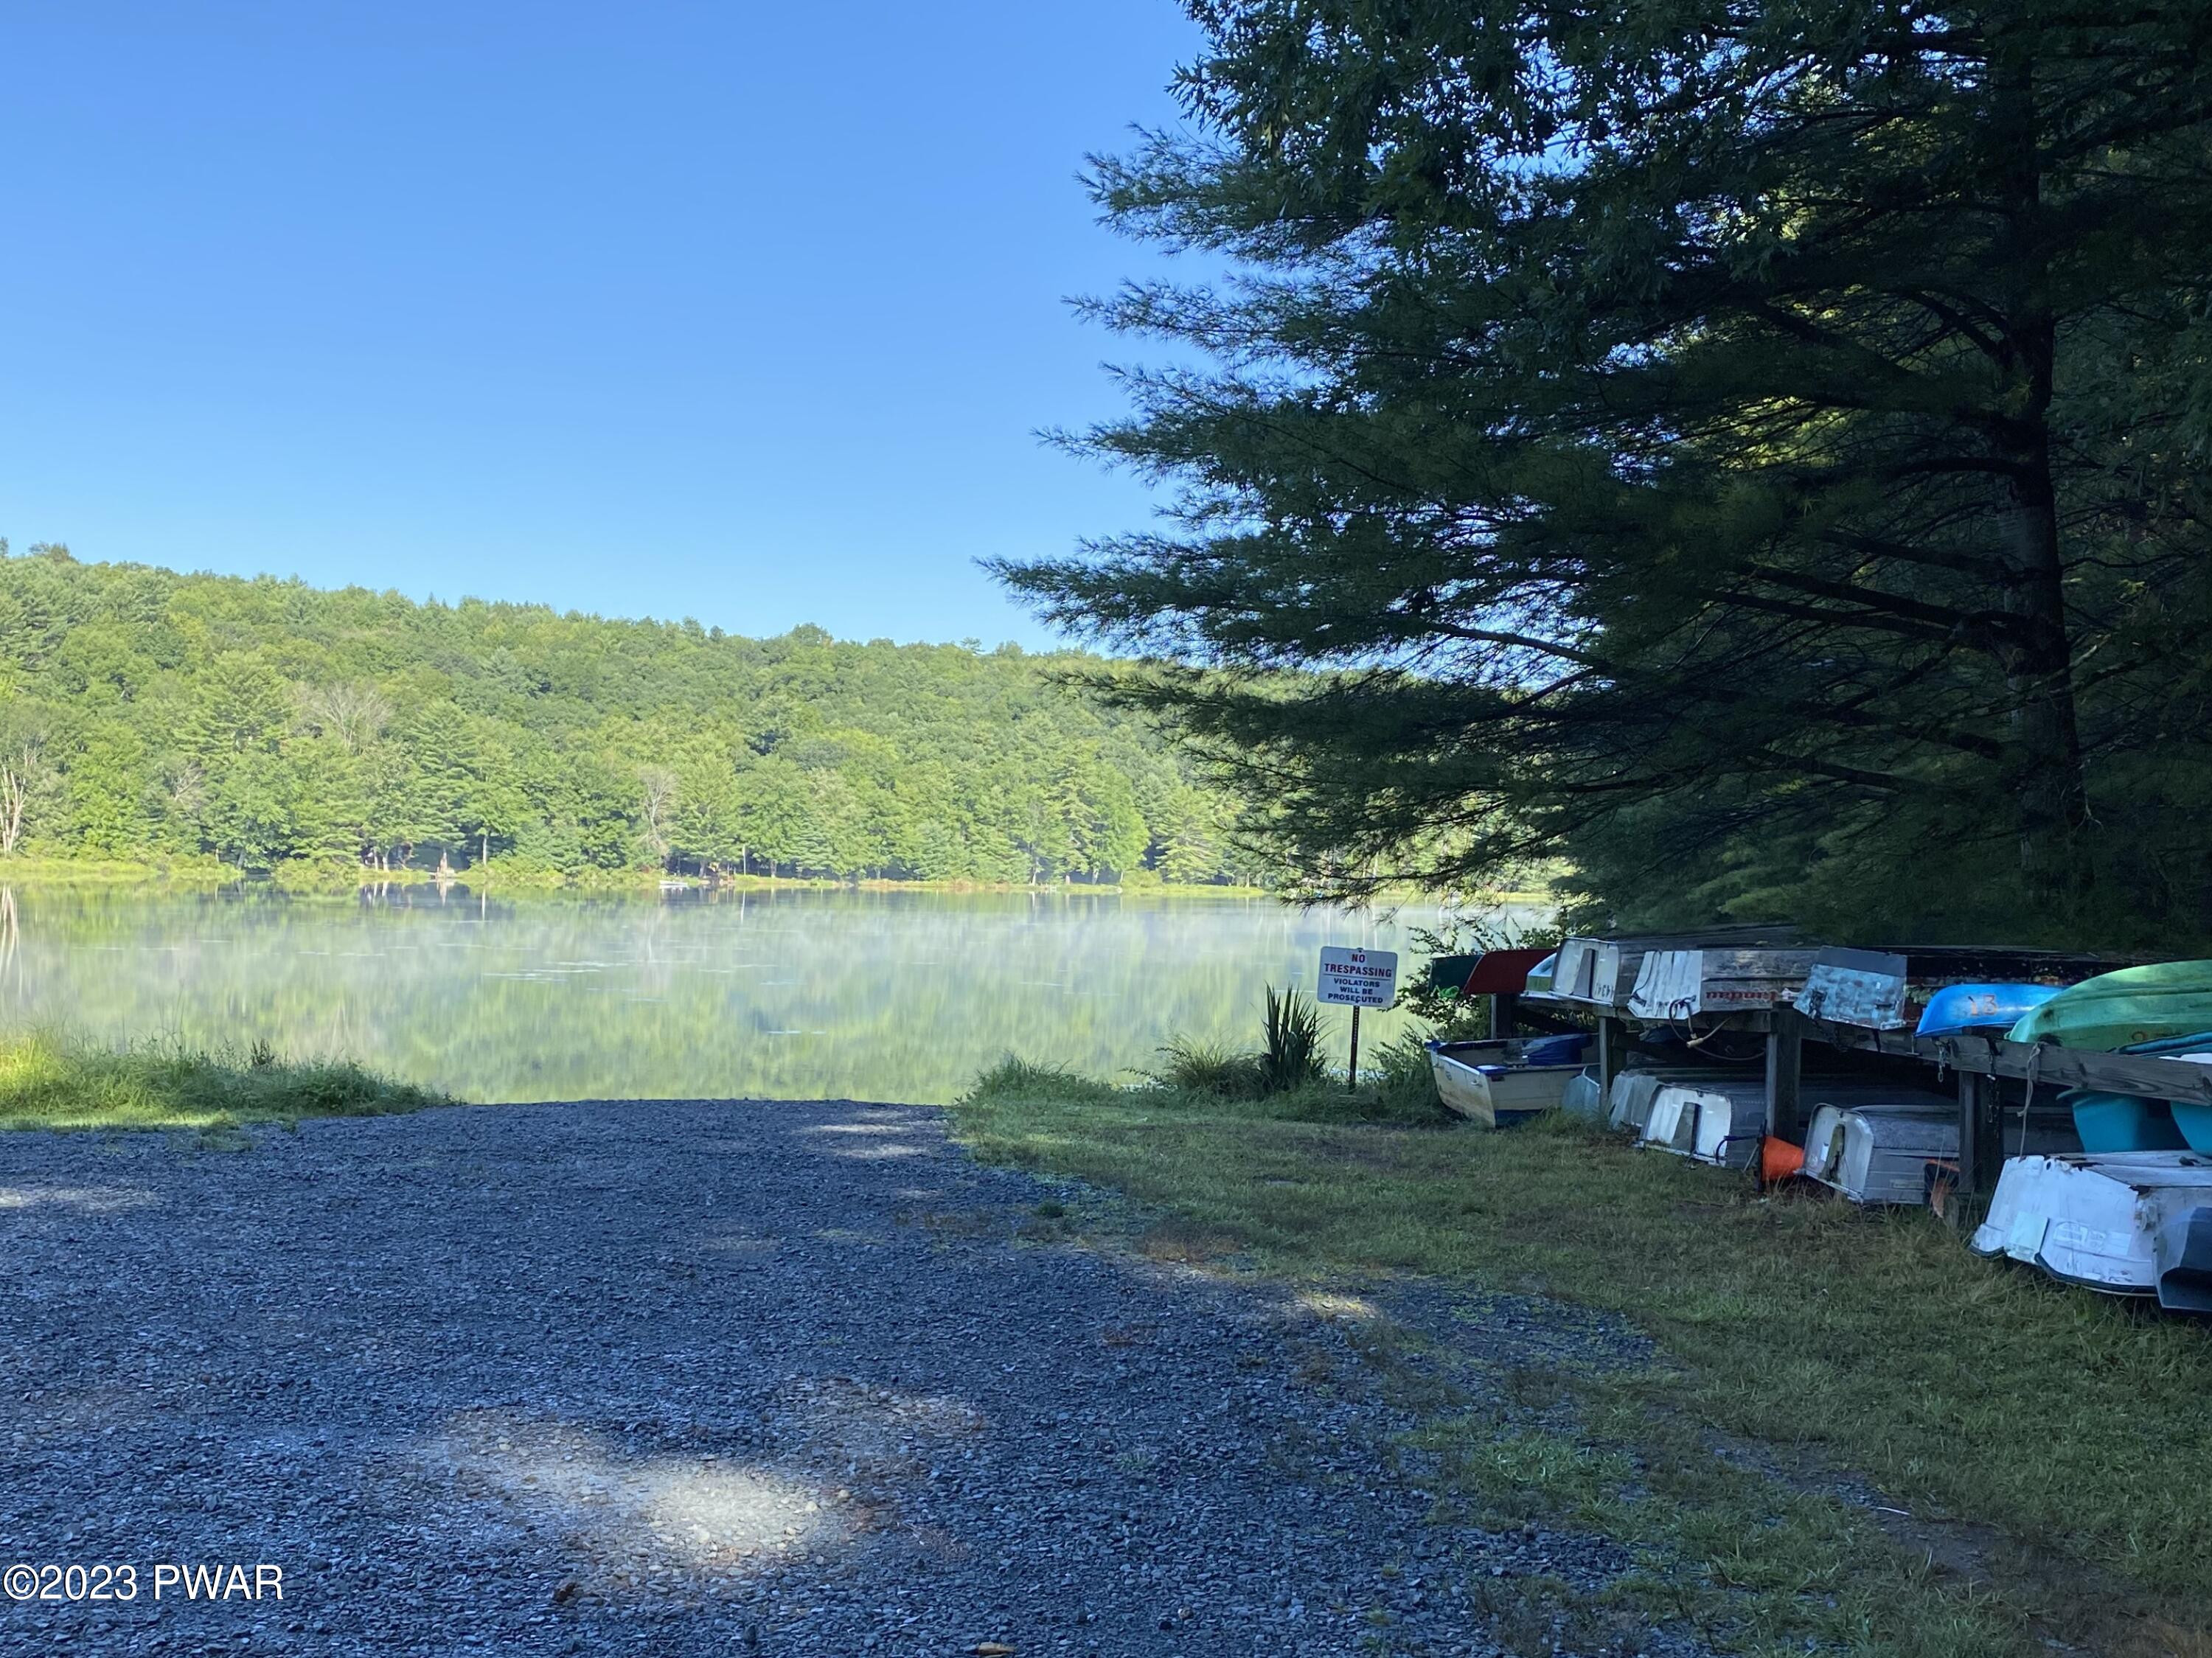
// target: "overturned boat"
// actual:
[[1584, 1096], [1955, 1010], [1881, 1151], [1508, 1079], [1680, 984], [1604, 973], [1628, 1104], [1721, 1122], [2124, 1222], [2125, 1010]]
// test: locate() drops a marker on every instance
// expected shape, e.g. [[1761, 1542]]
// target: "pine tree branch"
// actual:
[[1869, 619], [1973, 623], [1521, 641]]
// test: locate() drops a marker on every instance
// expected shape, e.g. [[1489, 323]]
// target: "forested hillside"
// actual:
[[143, 713]]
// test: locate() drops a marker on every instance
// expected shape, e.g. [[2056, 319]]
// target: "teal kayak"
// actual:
[[2123, 1122], [2119, 1010], [2193, 1122]]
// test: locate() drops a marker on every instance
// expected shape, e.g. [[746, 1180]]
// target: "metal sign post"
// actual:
[[1357, 979]]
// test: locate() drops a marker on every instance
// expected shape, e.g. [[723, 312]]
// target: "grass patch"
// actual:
[[193, 871], [47, 1082], [2072, 1429]]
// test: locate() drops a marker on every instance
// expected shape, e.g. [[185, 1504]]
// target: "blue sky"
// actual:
[[743, 312]]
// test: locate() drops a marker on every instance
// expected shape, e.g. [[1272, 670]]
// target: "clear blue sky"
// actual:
[[725, 310]]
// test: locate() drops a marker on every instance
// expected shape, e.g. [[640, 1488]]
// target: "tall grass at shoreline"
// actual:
[[48, 1080]]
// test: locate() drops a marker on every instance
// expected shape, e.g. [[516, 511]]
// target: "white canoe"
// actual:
[[2126, 1223]]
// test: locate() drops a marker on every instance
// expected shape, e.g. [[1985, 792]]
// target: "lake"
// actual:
[[798, 994]]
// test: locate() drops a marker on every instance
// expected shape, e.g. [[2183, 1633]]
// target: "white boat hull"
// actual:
[[1478, 1081], [2126, 1223], [1628, 1105], [1583, 1098], [1722, 1123], [1675, 984]]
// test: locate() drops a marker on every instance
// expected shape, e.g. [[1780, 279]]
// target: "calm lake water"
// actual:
[[795, 995]]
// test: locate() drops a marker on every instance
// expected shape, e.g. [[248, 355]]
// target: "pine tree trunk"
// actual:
[[2046, 771]]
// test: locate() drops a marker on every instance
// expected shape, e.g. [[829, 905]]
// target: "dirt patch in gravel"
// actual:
[[690, 1378]]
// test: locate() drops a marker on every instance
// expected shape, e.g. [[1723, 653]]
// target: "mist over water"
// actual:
[[795, 994]]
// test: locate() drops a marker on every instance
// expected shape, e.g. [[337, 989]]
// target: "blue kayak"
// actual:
[[1956, 1009]]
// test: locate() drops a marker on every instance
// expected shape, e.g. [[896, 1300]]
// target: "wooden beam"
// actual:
[[2051, 1067], [2146, 1074], [1612, 1053], [1504, 1006], [1785, 1055]]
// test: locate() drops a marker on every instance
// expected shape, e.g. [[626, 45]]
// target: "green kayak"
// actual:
[[2119, 1010]]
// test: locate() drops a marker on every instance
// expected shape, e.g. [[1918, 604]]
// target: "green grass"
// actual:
[[47, 1082], [2050, 1444], [192, 871]]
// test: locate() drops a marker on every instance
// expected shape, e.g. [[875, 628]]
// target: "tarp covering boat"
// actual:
[[2127, 1223]]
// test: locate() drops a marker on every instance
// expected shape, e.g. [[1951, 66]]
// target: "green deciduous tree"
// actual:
[[267, 722]]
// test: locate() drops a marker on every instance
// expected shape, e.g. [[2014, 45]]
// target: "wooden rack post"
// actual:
[[1612, 1052], [1786, 1064], [1981, 1132]]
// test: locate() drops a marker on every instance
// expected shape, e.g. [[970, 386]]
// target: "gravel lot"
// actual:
[[682, 1378]]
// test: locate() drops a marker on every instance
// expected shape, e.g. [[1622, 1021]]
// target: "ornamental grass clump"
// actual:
[[1292, 1058]]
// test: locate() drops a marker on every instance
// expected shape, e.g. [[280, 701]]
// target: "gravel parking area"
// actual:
[[684, 1378]]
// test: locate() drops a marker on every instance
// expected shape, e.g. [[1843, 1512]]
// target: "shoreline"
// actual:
[[207, 875]]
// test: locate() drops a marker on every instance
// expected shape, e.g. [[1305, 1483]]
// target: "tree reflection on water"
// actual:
[[802, 994]]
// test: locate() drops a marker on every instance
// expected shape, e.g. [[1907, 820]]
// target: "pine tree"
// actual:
[[1753, 449]]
